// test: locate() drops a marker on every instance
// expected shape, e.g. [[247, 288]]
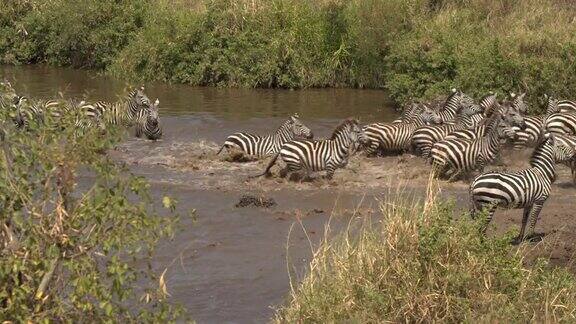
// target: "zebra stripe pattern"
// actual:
[[463, 155], [426, 136], [314, 156], [148, 122], [260, 146], [386, 137], [561, 123], [528, 188]]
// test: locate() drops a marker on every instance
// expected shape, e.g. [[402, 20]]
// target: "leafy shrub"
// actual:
[[415, 48], [76, 229]]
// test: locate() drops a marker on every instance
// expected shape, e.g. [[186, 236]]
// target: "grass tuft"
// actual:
[[420, 262]]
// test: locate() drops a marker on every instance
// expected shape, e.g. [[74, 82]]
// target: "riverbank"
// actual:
[[414, 49]]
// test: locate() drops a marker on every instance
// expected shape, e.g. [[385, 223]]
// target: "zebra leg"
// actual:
[[525, 216], [330, 172], [489, 216], [534, 213]]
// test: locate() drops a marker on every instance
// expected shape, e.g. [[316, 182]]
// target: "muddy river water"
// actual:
[[230, 264]]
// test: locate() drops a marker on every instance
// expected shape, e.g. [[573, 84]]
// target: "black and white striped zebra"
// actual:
[[530, 135], [320, 155], [426, 136], [561, 123], [455, 101], [488, 104], [393, 137], [570, 141], [261, 146], [462, 156], [510, 115], [528, 188], [407, 114], [148, 122]]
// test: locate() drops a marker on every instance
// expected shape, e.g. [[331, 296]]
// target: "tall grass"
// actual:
[[413, 48], [420, 263]]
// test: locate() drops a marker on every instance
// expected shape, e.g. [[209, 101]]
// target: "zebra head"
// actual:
[[349, 135], [139, 98], [562, 152], [472, 109], [488, 102], [298, 129], [518, 102], [153, 116], [513, 117], [551, 104], [430, 116]]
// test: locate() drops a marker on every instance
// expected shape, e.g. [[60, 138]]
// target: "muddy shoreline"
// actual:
[[233, 263]]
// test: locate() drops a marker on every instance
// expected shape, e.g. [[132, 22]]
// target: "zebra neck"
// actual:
[[341, 146], [543, 160]]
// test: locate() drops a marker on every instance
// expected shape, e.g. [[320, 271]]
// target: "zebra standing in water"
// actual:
[[314, 156], [124, 113], [270, 144], [528, 188], [148, 122]]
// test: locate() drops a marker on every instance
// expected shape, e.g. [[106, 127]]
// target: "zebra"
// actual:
[[465, 155], [320, 155], [407, 113], [148, 122], [396, 137], [570, 141], [455, 101], [261, 146], [528, 188], [530, 135], [26, 112], [122, 113], [488, 104], [561, 123], [425, 136], [511, 116], [556, 105]]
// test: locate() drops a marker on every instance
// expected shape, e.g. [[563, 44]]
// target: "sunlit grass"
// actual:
[[422, 262]]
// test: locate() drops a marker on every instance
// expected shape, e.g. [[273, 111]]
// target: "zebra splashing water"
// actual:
[[261, 146], [322, 155], [528, 188]]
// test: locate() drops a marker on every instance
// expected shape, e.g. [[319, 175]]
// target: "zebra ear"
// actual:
[[521, 96], [454, 90], [156, 103]]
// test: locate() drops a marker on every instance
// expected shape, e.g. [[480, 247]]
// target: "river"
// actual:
[[226, 264]]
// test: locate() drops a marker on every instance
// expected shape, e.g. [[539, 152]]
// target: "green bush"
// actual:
[[414, 48], [422, 263], [77, 230]]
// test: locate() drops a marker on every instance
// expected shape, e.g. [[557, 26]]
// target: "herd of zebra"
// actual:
[[457, 136], [135, 110]]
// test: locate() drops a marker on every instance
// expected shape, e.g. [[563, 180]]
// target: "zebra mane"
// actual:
[[343, 125]]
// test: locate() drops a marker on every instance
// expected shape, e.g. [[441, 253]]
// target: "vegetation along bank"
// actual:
[[412, 48]]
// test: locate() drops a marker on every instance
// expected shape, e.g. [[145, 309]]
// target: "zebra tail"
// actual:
[[270, 165]]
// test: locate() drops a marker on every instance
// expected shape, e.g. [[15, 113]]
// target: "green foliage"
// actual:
[[413, 48], [424, 264], [76, 229]]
